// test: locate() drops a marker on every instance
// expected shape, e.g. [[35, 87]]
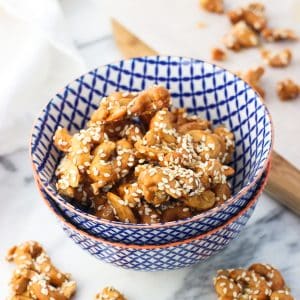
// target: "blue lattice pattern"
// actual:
[[202, 88], [156, 236], [163, 257]]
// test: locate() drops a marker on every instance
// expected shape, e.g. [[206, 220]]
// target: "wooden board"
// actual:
[[284, 181]]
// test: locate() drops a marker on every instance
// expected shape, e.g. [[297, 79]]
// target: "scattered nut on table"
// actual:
[[109, 293], [252, 77], [277, 34], [214, 6], [36, 277], [253, 14], [140, 160], [287, 89], [240, 36], [218, 54], [258, 282], [277, 59]]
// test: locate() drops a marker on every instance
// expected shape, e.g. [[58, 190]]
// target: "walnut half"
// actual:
[[287, 89], [240, 36], [279, 59]]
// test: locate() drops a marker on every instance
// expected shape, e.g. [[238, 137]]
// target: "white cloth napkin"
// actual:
[[37, 58]]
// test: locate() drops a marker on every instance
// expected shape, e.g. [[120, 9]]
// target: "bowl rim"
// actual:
[[252, 201], [62, 201]]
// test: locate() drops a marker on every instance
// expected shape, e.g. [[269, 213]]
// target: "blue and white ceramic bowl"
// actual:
[[159, 234], [160, 257], [204, 89]]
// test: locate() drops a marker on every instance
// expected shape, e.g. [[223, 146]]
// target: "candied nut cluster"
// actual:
[[218, 54], [253, 14], [142, 161], [109, 293], [252, 77], [240, 36], [36, 277], [215, 6], [252, 22], [279, 59], [258, 282], [249, 28], [287, 89], [274, 35]]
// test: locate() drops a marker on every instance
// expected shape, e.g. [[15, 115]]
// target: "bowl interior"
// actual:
[[204, 89]]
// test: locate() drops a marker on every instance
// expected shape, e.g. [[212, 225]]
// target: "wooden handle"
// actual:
[[284, 183], [284, 180], [128, 43]]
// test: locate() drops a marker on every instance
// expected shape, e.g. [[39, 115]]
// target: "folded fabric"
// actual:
[[37, 58]]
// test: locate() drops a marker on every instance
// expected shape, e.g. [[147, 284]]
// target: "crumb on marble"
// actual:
[[218, 54]]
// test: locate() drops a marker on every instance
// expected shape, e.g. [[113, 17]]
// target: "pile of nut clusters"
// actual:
[[36, 277], [258, 282], [250, 29], [142, 161]]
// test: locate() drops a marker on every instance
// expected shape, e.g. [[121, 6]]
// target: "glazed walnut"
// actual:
[[109, 293], [141, 161], [240, 36], [253, 15], [36, 277], [279, 59], [259, 281], [119, 106], [287, 89], [274, 35]]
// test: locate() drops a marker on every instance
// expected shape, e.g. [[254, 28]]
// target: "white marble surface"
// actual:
[[272, 234]]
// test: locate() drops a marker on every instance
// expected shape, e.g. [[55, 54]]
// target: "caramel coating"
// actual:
[[176, 213], [109, 293], [222, 192], [130, 193], [111, 162], [62, 139], [120, 105], [122, 211], [279, 59], [253, 15], [287, 89], [240, 36], [259, 281], [278, 34], [105, 211], [201, 202], [36, 277], [139, 160], [148, 214], [271, 274]]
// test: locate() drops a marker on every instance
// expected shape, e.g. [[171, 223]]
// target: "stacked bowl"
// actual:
[[204, 89]]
